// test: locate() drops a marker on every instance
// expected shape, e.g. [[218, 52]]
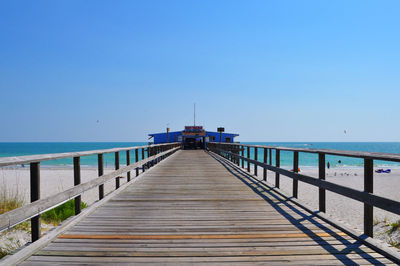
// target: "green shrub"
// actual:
[[61, 212]]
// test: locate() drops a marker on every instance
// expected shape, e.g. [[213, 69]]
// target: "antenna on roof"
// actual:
[[194, 115]]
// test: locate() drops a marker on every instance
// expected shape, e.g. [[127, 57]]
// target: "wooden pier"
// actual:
[[197, 207]]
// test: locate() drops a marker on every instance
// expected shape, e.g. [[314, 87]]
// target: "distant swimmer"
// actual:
[[339, 162], [328, 165]]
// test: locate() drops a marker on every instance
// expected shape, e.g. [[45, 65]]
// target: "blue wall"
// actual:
[[173, 136]]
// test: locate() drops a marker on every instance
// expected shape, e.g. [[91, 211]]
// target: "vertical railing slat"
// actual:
[[128, 162], [248, 157], [100, 163], [265, 162], [296, 170], [117, 179], [35, 195], [277, 164], [136, 160], [255, 158], [77, 181], [368, 187], [321, 176]]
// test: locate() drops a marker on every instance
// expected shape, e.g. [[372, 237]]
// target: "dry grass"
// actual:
[[10, 200]]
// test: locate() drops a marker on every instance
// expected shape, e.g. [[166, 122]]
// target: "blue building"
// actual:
[[192, 137]]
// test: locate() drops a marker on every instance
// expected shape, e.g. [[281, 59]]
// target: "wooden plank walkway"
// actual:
[[193, 208]]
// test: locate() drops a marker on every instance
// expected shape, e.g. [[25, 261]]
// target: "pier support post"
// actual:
[[265, 162], [277, 164], [368, 187], [100, 164], [35, 195], [321, 176], [77, 181], [295, 170]]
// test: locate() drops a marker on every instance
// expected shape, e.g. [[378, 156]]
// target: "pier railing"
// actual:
[[150, 154], [236, 153]]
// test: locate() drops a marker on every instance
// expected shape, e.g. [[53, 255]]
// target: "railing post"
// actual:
[[237, 153], [101, 172], [255, 158], [136, 160], [270, 156], [295, 170], [143, 159], [248, 157], [277, 164], [128, 162], [77, 181], [322, 193], [242, 152], [148, 156], [116, 168], [35, 195], [265, 162], [369, 188]]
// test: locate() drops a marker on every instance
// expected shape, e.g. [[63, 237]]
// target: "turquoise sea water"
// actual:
[[305, 159]]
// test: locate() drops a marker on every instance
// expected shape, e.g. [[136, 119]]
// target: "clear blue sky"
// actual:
[[268, 70]]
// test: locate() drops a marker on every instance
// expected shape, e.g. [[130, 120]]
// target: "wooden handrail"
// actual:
[[37, 206], [370, 200], [393, 157], [7, 161]]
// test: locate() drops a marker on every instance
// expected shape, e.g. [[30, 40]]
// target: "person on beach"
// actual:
[[328, 165]]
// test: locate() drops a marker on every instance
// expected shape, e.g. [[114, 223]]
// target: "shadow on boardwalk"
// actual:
[[267, 193]]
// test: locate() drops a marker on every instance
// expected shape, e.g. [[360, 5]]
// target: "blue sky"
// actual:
[[268, 70]]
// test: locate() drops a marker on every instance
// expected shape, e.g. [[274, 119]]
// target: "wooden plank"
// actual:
[[224, 236]]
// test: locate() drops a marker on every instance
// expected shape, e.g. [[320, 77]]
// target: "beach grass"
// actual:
[[10, 200], [61, 212]]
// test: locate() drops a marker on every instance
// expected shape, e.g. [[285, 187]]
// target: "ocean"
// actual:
[[305, 159]]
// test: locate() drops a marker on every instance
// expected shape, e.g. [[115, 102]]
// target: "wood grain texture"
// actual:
[[195, 208]]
